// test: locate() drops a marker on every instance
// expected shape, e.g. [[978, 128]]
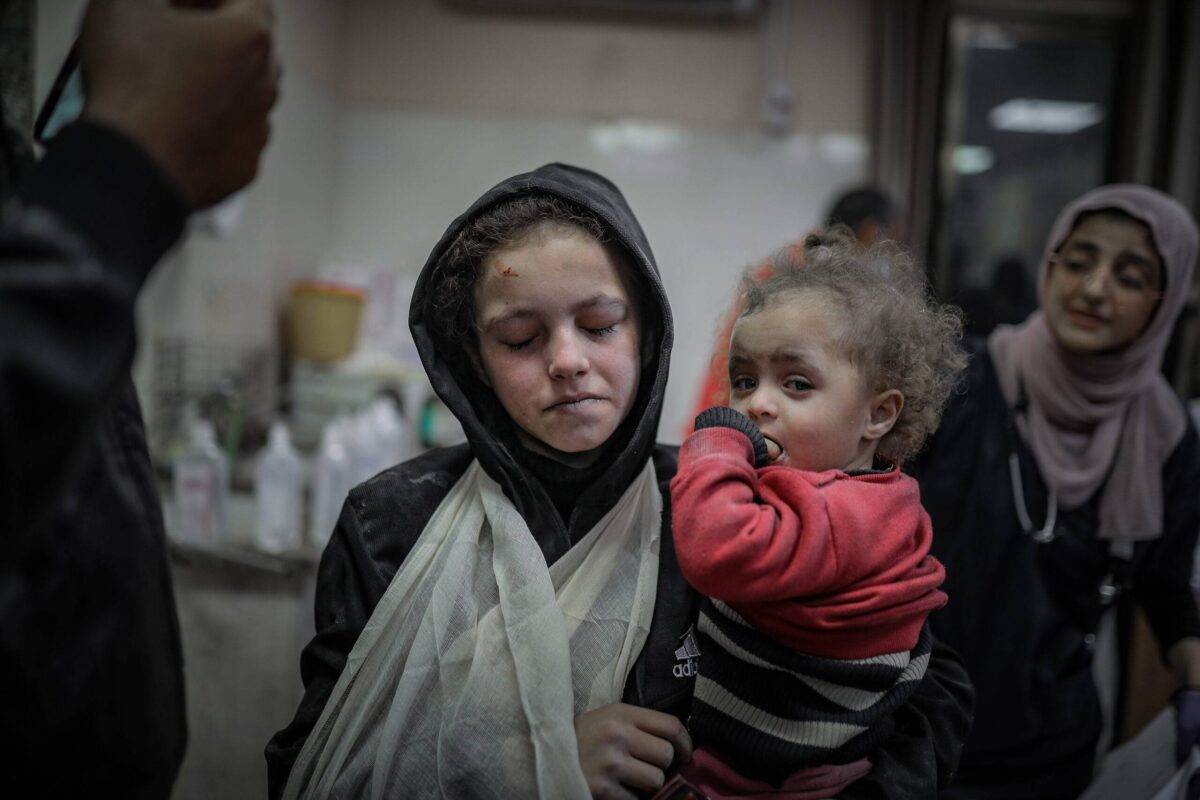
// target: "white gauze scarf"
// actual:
[[467, 678]]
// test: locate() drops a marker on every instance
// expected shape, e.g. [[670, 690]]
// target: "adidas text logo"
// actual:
[[685, 670], [688, 654]]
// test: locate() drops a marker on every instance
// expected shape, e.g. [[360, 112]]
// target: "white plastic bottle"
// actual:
[[279, 488], [389, 428], [201, 487], [415, 393], [345, 427], [331, 479], [365, 451]]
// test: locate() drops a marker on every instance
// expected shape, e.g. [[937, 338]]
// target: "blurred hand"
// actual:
[[623, 748], [192, 85]]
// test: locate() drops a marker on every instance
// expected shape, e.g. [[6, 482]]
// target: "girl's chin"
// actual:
[[574, 450], [581, 438]]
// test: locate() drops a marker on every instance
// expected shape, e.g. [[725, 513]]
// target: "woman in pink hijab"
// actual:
[[1065, 479]]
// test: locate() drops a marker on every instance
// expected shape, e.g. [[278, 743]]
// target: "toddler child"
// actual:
[[791, 515]]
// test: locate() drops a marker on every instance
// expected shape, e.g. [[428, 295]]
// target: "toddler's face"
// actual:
[[787, 374], [559, 338]]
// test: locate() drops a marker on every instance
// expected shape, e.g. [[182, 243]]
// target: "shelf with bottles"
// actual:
[[237, 550], [295, 485]]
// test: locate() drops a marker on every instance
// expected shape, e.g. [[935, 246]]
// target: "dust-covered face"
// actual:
[[1103, 284], [559, 337]]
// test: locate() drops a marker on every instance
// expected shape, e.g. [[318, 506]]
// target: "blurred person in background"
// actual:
[[1006, 300], [866, 211], [1064, 474], [176, 118]]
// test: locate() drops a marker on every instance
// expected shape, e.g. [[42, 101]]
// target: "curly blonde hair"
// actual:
[[894, 331]]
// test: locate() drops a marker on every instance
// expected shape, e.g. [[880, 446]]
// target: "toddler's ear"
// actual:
[[885, 410]]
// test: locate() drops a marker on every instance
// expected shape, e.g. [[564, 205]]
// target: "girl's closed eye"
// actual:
[[519, 345], [516, 334], [518, 337], [603, 320]]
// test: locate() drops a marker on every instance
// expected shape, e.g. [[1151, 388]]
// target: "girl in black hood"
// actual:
[[549, 650]]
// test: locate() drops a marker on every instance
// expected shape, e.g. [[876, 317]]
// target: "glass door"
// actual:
[[1029, 121]]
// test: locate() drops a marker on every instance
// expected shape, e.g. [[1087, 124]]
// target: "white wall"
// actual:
[[439, 105], [396, 115], [710, 201], [425, 54]]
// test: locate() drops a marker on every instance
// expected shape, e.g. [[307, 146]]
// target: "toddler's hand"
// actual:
[[721, 416]]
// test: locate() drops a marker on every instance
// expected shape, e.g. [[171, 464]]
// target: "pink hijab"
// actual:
[[1109, 415]]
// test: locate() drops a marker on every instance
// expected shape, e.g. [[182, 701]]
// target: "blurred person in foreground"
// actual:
[[869, 216], [176, 118]]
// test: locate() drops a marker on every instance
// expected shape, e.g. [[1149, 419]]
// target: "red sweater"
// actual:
[[826, 563]]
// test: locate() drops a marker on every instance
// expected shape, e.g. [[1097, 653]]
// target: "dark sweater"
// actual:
[[1024, 615]]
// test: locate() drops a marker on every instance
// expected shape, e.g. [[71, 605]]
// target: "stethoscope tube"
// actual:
[[1120, 554], [1048, 531]]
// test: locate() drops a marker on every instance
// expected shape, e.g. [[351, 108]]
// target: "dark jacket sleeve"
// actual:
[[348, 588], [923, 752], [1162, 584], [77, 244]]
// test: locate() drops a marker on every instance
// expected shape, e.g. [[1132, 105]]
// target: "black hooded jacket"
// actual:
[[383, 517]]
